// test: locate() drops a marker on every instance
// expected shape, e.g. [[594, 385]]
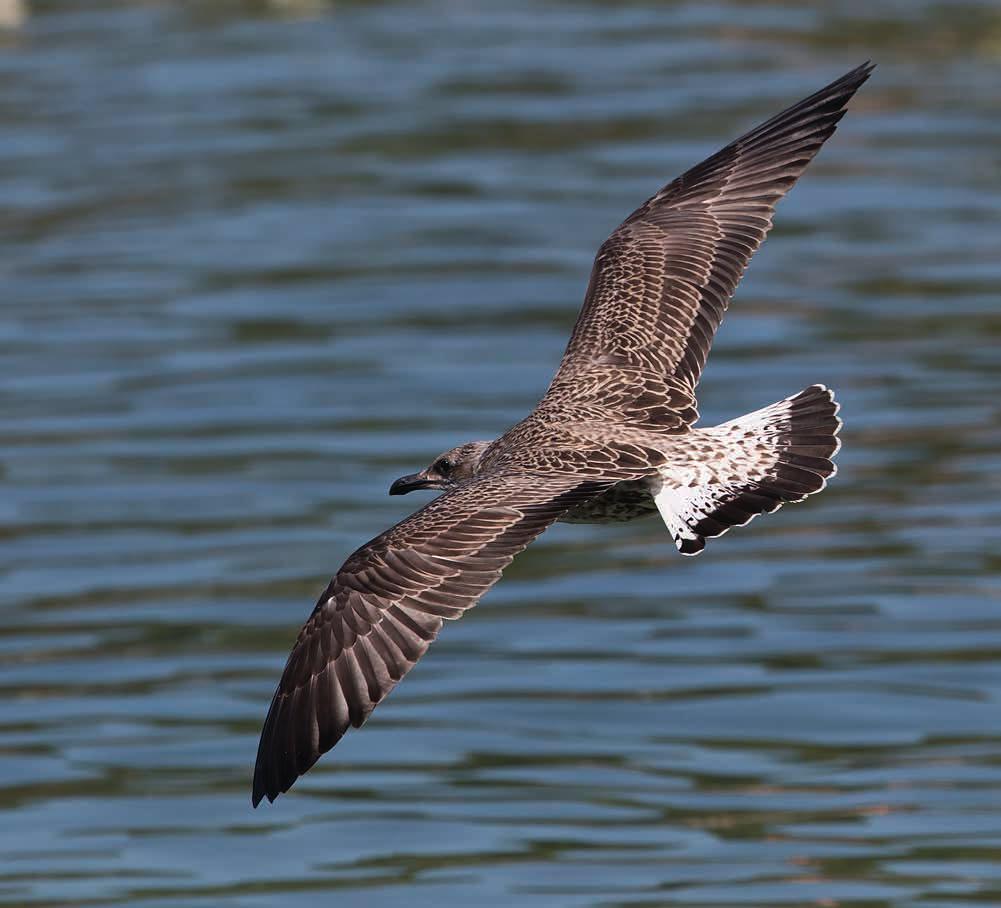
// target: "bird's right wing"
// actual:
[[386, 605], [662, 281]]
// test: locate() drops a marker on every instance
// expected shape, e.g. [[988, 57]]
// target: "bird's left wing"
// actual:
[[387, 603]]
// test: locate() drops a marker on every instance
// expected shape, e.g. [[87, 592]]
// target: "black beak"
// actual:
[[410, 483]]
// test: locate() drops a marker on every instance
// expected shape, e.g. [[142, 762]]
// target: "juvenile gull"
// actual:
[[611, 440]]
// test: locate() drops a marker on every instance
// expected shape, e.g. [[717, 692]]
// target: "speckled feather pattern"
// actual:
[[612, 439]]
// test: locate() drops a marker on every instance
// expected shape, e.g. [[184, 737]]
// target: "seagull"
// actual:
[[612, 439]]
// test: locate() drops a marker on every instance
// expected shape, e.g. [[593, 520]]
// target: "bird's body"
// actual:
[[624, 501], [611, 440]]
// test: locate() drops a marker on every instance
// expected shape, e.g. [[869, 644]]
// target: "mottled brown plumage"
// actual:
[[612, 439]]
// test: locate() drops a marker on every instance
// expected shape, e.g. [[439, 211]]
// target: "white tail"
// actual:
[[754, 465]]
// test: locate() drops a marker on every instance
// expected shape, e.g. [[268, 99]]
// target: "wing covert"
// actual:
[[662, 281], [386, 605]]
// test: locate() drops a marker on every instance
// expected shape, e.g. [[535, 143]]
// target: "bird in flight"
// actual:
[[612, 439]]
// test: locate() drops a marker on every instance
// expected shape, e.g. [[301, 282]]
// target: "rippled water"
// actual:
[[258, 261]]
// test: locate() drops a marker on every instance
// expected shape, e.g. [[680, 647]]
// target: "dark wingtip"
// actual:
[[845, 86], [859, 74], [262, 792], [267, 784], [259, 793], [851, 81], [264, 787]]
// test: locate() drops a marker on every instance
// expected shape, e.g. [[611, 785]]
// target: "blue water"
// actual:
[[259, 260]]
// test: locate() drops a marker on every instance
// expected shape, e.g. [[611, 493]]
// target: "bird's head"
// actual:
[[445, 471]]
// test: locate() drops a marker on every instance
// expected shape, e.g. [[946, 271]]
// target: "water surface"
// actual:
[[260, 260]]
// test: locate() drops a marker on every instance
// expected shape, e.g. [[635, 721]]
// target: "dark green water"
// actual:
[[256, 264]]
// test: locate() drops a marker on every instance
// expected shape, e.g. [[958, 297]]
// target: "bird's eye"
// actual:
[[443, 466]]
